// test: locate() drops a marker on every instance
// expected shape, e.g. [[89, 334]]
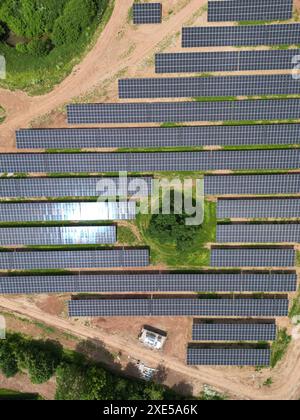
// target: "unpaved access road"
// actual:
[[230, 381]]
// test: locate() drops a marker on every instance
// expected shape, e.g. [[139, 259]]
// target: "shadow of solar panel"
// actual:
[[178, 307], [73, 259], [58, 235], [151, 162], [246, 35], [259, 233], [184, 87], [147, 13], [149, 283], [252, 184], [234, 332], [243, 10], [160, 112], [46, 212], [73, 187], [258, 209], [198, 62], [228, 357], [221, 135], [255, 257]]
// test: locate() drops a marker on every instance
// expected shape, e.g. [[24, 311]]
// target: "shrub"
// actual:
[[8, 362]]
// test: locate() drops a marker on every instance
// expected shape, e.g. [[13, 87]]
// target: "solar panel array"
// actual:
[[145, 13], [159, 137], [258, 209], [252, 184], [114, 283], [243, 10], [184, 87], [246, 35], [58, 235], [179, 307], [46, 212], [149, 162], [176, 112], [255, 257], [228, 357], [217, 61], [24, 260], [234, 332], [259, 233], [73, 187]]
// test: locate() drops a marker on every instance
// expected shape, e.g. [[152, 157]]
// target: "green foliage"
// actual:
[[280, 346], [268, 382], [8, 362], [173, 227], [77, 16], [2, 31]]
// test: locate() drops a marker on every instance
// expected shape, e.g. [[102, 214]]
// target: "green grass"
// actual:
[[9, 395], [38, 75], [280, 346], [2, 114], [126, 236], [197, 255], [214, 98]]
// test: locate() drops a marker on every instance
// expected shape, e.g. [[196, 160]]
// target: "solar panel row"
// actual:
[[179, 307], [24, 260], [58, 235], [259, 233], [74, 187], [46, 212], [221, 135], [199, 62], [228, 357], [145, 13], [255, 257], [252, 184], [234, 332], [258, 209], [151, 162], [112, 283], [184, 87], [246, 35], [243, 10], [176, 112]]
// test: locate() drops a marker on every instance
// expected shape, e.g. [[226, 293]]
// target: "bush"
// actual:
[[39, 47], [8, 361], [2, 31], [77, 17]]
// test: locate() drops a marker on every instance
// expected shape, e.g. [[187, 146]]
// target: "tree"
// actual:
[[8, 361]]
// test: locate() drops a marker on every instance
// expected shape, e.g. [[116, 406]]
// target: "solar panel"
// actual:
[[246, 35], [243, 10], [228, 357], [73, 187], [147, 13], [234, 332], [252, 184], [159, 137], [119, 283], [151, 162], [24, 260], [259, 233], [58, 235], [178, 307], [176, 112], [200, 62], [184, 87], [46, 212], [258, 209], [253, 257]]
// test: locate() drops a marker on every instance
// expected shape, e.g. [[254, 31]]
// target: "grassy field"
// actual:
[[280, 346], [39, 75], [9, 395]]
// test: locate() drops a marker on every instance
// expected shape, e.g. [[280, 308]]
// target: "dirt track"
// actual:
[[102, 64]]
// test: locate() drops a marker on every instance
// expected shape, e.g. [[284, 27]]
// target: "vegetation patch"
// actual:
[[280, 346], [2, 114], [9, 395], [42, 41]]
